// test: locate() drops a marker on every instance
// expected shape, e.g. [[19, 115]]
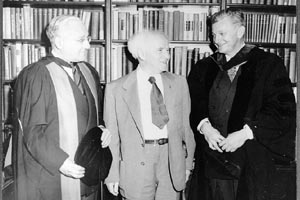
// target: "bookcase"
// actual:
[[271, 24]]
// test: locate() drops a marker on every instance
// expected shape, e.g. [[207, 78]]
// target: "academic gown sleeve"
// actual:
[[273, 120], [35, 102], [200, 79]]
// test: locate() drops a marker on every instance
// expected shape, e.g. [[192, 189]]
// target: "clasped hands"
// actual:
[[70, 169], [217, 142]]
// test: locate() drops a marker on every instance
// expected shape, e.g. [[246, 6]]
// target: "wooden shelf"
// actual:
[[277, 45], [36, 41], [171, 42], [265, 8], [163, 4], [58, 4]]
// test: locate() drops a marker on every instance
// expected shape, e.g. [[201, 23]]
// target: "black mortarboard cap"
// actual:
[[95, 159]]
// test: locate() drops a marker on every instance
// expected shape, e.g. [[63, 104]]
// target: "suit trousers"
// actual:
[[157, 184]]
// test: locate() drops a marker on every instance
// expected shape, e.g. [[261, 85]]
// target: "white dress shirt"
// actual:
[[151, 132]]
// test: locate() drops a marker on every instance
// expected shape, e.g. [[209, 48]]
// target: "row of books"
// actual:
[[265, 2], [18, 55], [190, 23], [181, 59], [178, 23], [270, 28], [30, 23], [183, 56], [7, 107]]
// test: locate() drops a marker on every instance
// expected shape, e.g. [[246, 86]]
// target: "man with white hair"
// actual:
[[57, 100], [152, 147], [243, 114]]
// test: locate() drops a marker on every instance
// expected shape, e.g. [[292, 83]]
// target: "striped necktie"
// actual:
[[77, 78], [159, 111]]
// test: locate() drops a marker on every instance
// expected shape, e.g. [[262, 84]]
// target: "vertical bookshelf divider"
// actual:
[[1, 92], [108, 34], [298, 104]]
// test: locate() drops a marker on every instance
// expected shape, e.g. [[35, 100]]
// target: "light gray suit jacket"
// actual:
[[122, 117]]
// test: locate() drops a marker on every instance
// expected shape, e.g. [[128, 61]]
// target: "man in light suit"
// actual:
[[149, 161]]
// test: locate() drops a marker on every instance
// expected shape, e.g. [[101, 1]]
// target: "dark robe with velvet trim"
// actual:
[[264, 100], [39, 155]]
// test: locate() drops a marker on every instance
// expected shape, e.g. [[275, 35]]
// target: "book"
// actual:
[[280, 29], [189, 60], [292, 67], [97, 59], [183, 70], [18, 58], [95, 21], [188, 31], [122, 25], [101, 24], [196, 26], [171, 26], [7, 62], [13, 22], [103, 70], [176, 26]]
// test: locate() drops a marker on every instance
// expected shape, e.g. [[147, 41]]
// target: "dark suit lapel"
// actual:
[[131, 98]]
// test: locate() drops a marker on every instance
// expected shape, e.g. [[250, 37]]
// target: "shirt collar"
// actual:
[[144, 75], [241, 57], [60, 61]]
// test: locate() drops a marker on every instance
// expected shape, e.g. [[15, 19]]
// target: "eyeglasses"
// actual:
[[82, 40]]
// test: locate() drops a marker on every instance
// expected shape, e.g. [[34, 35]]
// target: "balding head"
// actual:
[[69, 38], [62, 24]]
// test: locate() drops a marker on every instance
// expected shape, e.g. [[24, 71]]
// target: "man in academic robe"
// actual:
[[243, 114], [57, 100]]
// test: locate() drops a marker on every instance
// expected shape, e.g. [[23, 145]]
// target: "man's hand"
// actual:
[[70, 169], [234, 141], [106, 136], [187, 175], [113, 188], [212, 136]]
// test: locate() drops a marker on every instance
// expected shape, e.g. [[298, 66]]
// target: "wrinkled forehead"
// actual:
[[157, 41], [226, 23], [73, 28]]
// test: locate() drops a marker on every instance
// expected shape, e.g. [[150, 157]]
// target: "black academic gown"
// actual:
[[39, 156], [263, 100]]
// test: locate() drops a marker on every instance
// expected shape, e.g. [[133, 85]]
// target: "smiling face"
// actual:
[[228, 36], [72, 41], [155, 54]]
